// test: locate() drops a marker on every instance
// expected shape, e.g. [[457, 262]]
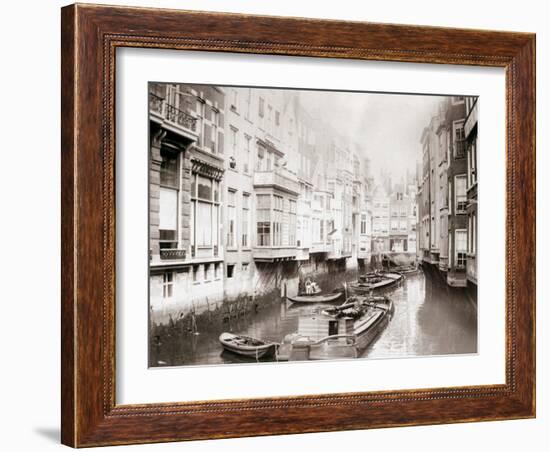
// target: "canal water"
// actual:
[[430, 318]]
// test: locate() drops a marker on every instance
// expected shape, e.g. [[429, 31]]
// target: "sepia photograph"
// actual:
[[294, 225]]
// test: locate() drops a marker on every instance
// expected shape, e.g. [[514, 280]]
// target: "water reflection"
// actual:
[[430, 319]]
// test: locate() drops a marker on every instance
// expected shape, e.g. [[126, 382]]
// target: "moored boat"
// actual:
[[405, 269], [247, 346], [315, 298], [375, 280], [341, 332]]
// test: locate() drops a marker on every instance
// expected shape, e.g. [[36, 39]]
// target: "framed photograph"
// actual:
[[281, 225]]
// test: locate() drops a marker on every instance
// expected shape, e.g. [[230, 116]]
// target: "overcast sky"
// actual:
[[387, 126]]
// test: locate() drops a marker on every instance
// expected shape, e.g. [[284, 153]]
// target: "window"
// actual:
[[363, 223], [210, 133], [277, 220], [168, 202], [248, 102], [472, 230], [261, 107], [461, 243], [260, 160], [458, 138], [263, 220], [472, 162], [204, 211], [230, 270], [245, 227], [234, 100], [204, 188], [246, 158], [460, 194], [168, 213], [167, 284], [474, 233], [244, 266], [234, 141], [231, 219], [169, 170], [449, 192], [277, 118], [204, 224], [443, 146]]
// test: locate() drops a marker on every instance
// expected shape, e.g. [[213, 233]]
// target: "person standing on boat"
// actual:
[[308, 286]]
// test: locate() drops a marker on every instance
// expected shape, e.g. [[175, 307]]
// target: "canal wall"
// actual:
[[243, 294]]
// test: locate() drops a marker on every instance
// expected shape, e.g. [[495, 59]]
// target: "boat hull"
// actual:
[[315, 298], [255, 352], [389, 281]]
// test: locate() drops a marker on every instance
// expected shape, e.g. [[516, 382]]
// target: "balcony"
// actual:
[[278, 179], [172, 254], [163, 111], [274, 253], [319, 247]]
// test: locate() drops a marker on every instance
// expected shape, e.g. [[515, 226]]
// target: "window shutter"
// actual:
[[220, 143], [207, 138]]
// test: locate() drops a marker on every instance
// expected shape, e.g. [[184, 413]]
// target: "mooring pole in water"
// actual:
[[208, 307], [345, 291], [194, 328]]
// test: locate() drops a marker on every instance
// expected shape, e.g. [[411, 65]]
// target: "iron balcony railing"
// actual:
[[172, 253], [170, 113], [181, 118]]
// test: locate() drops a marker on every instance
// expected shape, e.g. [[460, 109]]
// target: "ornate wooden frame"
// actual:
[[90, 36]]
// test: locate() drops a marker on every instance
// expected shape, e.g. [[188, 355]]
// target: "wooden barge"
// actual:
[[341, 332]]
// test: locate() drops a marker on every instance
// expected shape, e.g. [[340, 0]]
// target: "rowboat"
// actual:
[[246, 345], [374, 281], [341, 332], [315, 298]]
